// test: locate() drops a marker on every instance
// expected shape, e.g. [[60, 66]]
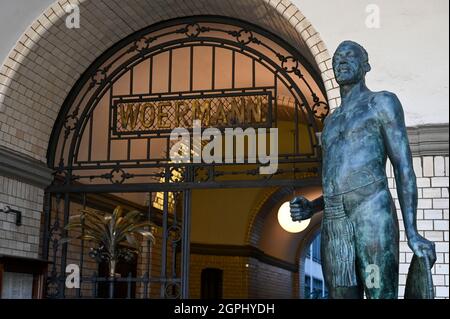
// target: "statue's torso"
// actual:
[[354, 154]]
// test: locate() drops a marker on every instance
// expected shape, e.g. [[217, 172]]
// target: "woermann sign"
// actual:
[[131, 116]]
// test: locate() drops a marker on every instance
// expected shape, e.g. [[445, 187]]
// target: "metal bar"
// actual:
[[164, 243], [148, 148], [64, 246], [91, 128], [150, 80], [253, 73], [213, 71], [155, 187], [186, 242], [173, 239], [275, 108], [129, 283], [128, 149], [94, 284], [150, 248], [191, 69], [193, 93], [54, 228], [296, 132], [169, 85], [147, 284], [131, 80], [162, 162], [47, 222], [233, 71], [168, 147], [111, 286], [110, 130], [79, 293]]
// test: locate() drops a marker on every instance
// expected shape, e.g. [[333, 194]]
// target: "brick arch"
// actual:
[[49, 58], [270, 199]]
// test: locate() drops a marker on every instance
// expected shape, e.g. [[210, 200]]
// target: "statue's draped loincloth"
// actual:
[[338, 234]]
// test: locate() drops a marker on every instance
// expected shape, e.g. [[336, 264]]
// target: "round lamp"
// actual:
[[286, 222]]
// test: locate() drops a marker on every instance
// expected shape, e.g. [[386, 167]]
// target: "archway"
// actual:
[[113, 136], [49, 58]]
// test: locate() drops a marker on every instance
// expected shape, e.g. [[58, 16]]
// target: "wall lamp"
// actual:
[[13, 211]]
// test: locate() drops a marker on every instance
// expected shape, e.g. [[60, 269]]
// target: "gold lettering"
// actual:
[[220, 117], [162, 116], [147, 118], [254, 111], [264, 109], [129, 115], [236, 115], [201, 112], [181, 112]]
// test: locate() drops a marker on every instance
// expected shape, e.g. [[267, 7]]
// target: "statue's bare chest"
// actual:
[[351, 127]]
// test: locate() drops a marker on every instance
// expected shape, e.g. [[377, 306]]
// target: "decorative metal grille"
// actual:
[[99, 151]]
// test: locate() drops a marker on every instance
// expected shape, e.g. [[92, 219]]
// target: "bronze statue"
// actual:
[[360, 235]]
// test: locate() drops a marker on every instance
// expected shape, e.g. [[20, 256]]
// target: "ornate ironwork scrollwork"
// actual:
[[117, 175], [175, 233], [193, 30], [202, 174], [320, 109], [173, 290], [99, 77], [54, 234]]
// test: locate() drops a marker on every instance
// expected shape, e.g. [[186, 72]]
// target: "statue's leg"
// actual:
[[377, 241]]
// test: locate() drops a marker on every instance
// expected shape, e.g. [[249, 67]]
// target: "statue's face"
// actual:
[[348, 64]]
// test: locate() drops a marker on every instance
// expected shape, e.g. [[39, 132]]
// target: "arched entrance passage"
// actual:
[[49, 57], [286, 250], [112, 137]]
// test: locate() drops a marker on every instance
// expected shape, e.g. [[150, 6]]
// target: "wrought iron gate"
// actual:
[[110, 145]]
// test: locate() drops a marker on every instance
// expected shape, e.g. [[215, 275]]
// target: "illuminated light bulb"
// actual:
[[286, 222]]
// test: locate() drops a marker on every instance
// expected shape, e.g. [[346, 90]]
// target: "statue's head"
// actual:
[[350, 63]]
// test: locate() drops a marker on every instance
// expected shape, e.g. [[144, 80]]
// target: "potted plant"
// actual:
[[113, 236]]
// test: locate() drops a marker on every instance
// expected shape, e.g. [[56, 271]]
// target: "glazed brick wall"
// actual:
[[267, 281], [235, 280], [432, 174], [21, 240], [244, 277]]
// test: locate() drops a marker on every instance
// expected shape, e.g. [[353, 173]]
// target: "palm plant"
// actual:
[[114, 236]]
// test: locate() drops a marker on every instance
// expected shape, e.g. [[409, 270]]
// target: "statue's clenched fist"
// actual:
[[301, 209]]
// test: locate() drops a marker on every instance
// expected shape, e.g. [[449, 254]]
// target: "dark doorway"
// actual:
[[211, 283]]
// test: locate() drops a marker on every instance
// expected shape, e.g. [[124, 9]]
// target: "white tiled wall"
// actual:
[[432, 174], [20, 240]]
